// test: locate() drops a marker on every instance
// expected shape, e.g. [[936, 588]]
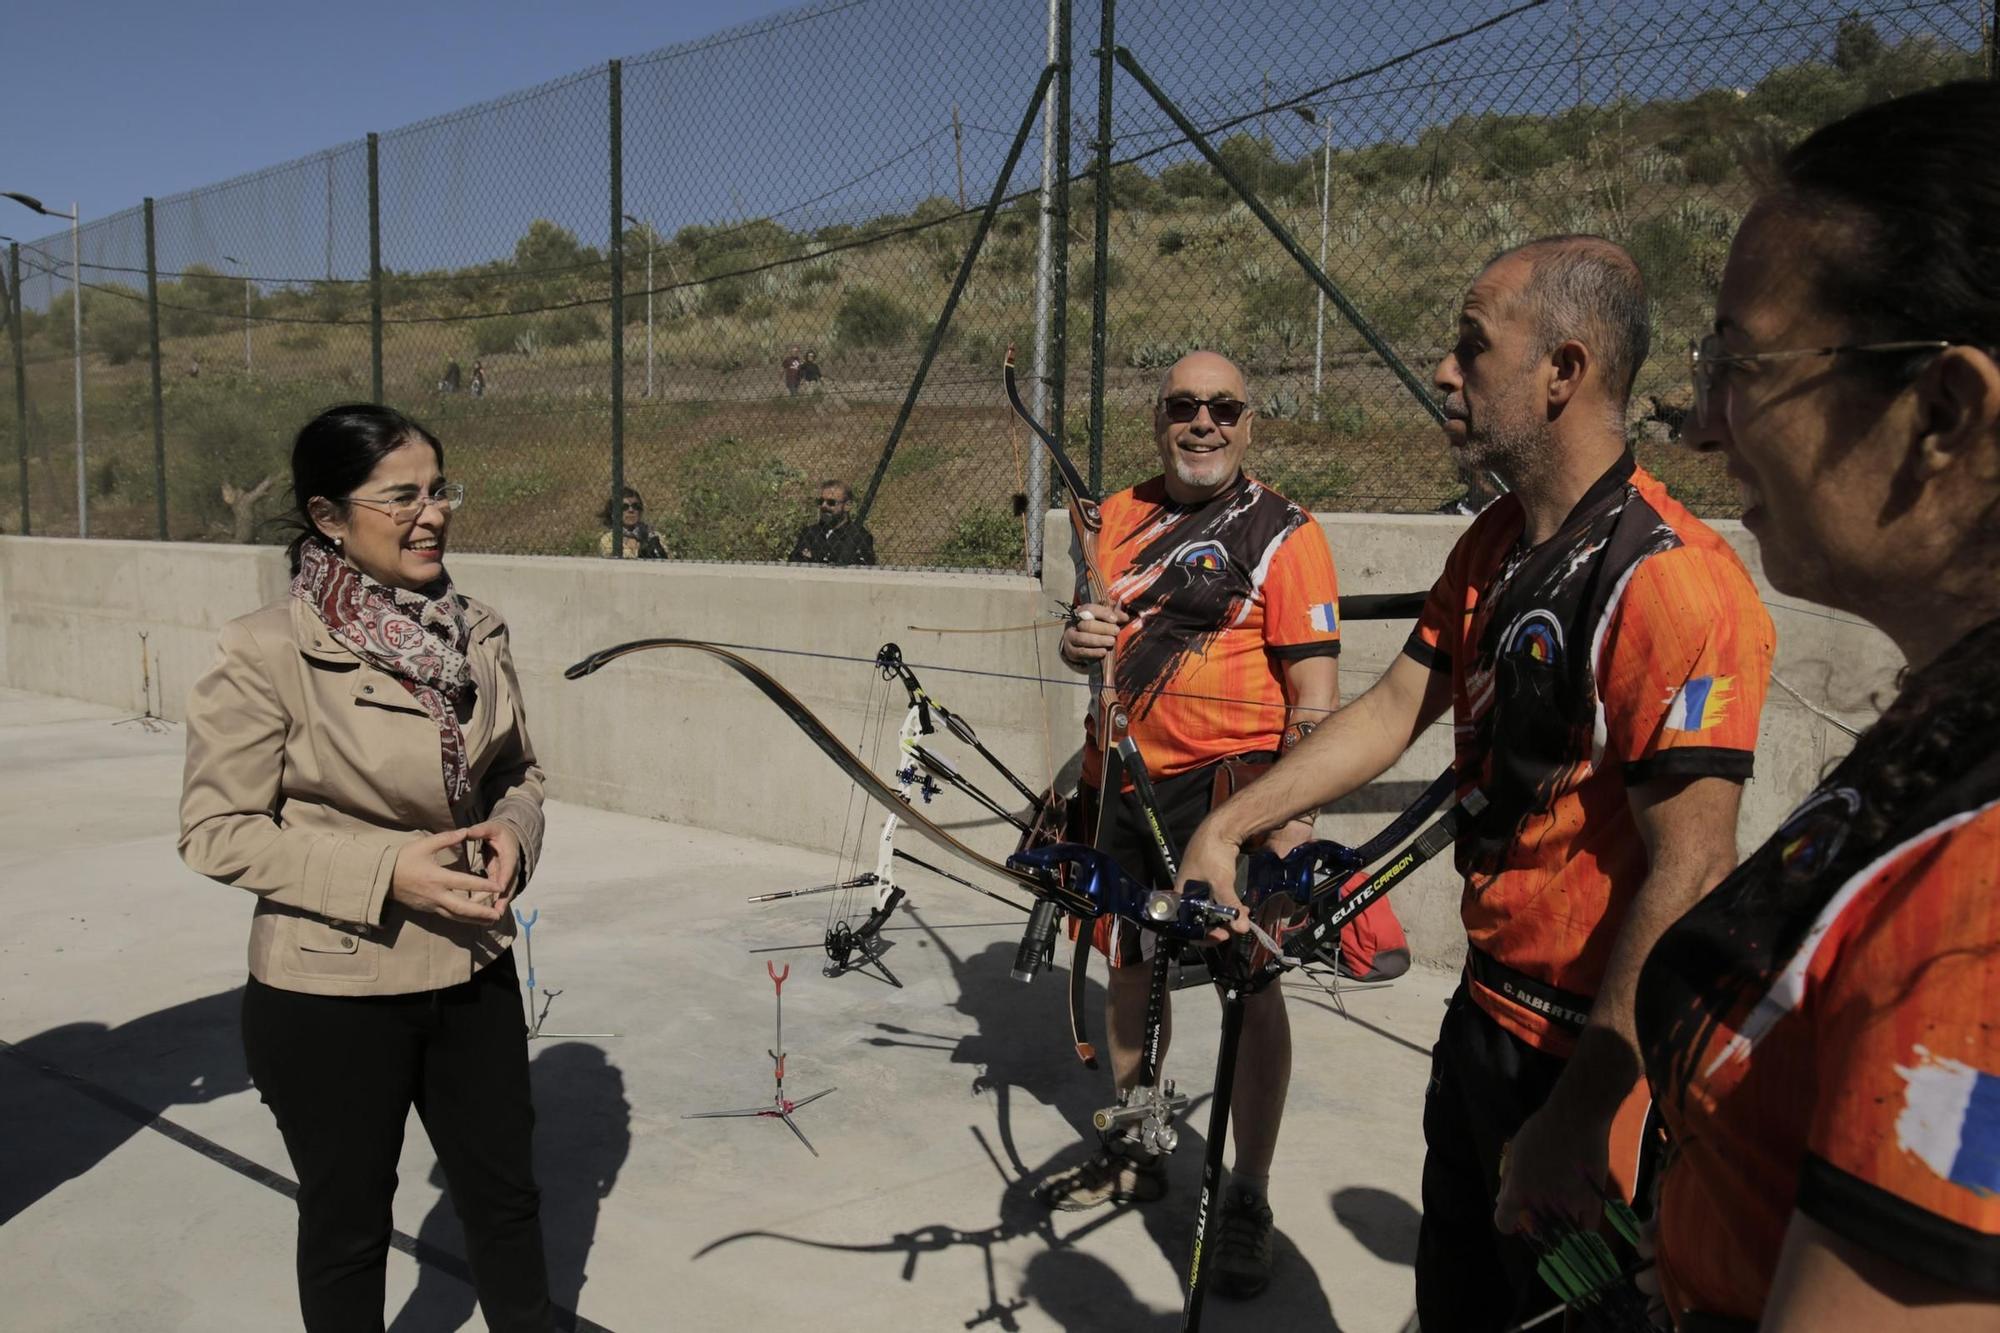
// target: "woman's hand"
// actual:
[[419, 883], [503, 858]]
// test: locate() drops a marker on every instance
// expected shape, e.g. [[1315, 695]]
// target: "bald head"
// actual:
[[1589, 290], [1201, 425], [1204, 373]]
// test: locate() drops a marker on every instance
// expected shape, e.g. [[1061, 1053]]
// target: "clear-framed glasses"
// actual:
[[1707, 361], [449, 497]]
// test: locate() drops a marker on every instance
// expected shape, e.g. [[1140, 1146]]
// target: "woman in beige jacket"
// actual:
[[358, 760]]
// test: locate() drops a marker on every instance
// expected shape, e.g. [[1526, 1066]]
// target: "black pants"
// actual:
[[1485, 1083], [341, 1073]]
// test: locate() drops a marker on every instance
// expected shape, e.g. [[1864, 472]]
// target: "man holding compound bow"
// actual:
[[1605, 658], [1225, 626]]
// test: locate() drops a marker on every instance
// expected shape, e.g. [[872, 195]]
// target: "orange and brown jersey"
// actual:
[[1220, 593], [1820, 1036], [1627, 647]]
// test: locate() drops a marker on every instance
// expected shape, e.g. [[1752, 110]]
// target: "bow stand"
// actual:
[[920, 775]]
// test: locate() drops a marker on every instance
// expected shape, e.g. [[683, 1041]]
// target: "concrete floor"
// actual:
[[120, 977]]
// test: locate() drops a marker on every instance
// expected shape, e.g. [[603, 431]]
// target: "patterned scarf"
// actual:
[[418, 639]]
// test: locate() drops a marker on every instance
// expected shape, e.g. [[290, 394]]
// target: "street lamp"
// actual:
[[76, 336], [649, 299], [1325, 123], [231, 259]]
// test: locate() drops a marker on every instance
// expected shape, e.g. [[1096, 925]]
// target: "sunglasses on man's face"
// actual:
[[1183, 408], [827, 502]]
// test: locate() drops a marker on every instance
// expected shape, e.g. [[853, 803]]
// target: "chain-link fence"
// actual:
[[741, 300]]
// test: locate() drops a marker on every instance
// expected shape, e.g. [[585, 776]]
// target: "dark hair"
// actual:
[[836, 484], [614, 506], [337, 451], [1917, 185], [1588, 289]]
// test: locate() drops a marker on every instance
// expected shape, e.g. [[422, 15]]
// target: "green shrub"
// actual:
[[871, 318], [1172, 241], [497, 335], [567, 328], [987, 537], [1709, 162], [724, 296], [1306, 475], [1191, 182], [737, 504]]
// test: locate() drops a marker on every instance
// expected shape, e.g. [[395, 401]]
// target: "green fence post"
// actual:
[[20, 373], [375, 263], [1100, 277], [617, 307], [153, 347], [1059, 262]]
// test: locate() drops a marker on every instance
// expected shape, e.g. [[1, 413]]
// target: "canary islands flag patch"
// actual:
[[1951, 1121], [1700, 704], [1325, 617]]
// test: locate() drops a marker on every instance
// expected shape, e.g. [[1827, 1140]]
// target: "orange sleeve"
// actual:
[[1302, 595], [1682, 668], [1904, 1152], [1439, 632]]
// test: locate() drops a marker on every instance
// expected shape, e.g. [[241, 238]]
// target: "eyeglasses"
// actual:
[[1224, 412], [448, 497], [1707, 360], [826, 502], [635, 506]]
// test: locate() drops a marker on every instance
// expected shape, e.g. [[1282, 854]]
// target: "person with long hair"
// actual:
[[1822, 1031], [358, 759]]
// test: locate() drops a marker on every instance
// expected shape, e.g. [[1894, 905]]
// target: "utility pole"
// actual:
[[75, 216], [958, 146], [649, 299]]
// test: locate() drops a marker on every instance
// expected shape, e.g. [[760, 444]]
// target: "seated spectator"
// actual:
[[641, 542], [809, 368], [836, 539]]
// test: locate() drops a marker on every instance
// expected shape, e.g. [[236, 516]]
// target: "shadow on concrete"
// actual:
[[583, 1133], [180, 1056], [1021, 1048], [1384, 1223]]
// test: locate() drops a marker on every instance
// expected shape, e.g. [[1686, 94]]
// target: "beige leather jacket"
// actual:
[[307, 769]]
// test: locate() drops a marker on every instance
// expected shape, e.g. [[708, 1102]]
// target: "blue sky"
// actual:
[[840, 111], [107, 101]]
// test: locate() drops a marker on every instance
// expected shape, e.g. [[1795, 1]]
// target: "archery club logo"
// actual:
[[1814, 835], [1536, 636], [1209, 557]]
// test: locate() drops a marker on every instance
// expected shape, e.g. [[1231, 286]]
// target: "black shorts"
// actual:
[[1184, 801]]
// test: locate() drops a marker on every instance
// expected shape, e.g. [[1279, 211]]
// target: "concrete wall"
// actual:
[[676, 736]]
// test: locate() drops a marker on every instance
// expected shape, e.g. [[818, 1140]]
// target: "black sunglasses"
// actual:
[[1224, 412], [825, 503]]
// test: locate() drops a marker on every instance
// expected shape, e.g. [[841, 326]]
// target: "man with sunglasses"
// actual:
[[1604, 657], [836, 539], [1224, 612]]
